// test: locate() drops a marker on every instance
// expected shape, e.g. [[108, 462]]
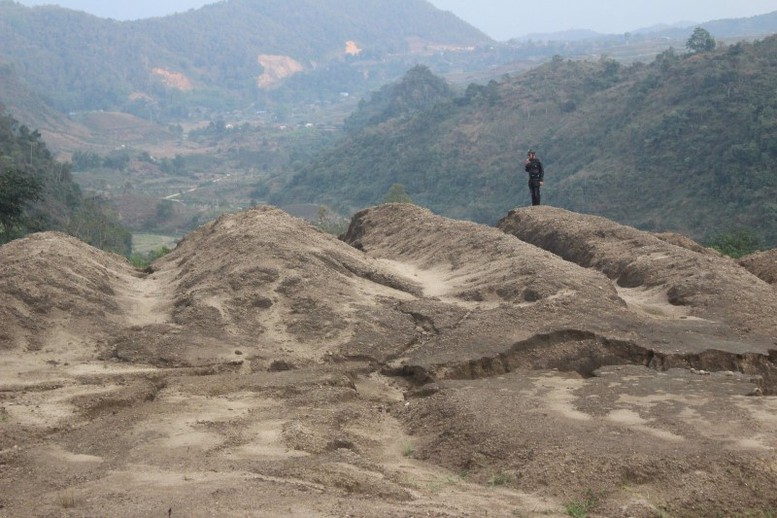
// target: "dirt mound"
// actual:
[[762, 265], [685, 242], [486, 294], [50, 283], [712, 287], [494, 302], [282, 291], [421, 366]]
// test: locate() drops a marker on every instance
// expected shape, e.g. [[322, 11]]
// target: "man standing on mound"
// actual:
[[533, 166]]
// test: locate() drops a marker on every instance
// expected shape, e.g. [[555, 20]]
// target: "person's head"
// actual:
[[531, 154]]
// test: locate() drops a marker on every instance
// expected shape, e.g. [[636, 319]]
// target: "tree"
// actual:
[[94, 222], [736, 244], [16, 191], [700, 41], [397, 194], [37, 193], [85, 160], [331, 222], [118, 160], [164, 211]]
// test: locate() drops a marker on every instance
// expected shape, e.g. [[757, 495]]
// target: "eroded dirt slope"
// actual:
[[275, 289], [762, 265], [710, 286], [419, 367]]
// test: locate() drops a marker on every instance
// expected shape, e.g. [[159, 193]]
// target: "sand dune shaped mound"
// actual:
[[51, 281], [472, 262], [266, 287], [420, 366], [487, 293], [710, 286], [762, 264], [495, 303]]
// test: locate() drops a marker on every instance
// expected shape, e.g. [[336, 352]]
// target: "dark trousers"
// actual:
[[534, 189]]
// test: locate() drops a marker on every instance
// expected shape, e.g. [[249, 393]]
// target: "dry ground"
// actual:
[[420, 366], [762, 264]]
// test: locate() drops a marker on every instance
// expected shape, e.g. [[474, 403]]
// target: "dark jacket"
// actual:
[[535, 170]]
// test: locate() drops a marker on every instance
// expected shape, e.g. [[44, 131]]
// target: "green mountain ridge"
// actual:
[[760, 25], [607, 131], [82, 62], [754, 26], [687, 143], [206, 61]]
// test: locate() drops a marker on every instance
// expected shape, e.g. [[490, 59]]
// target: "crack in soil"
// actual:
[[585, 352]]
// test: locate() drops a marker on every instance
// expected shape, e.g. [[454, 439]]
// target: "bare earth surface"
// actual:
[[762, 264], [420, 366]]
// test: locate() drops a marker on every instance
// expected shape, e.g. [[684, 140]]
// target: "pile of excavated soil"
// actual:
[[710, 286], [762, 265], [420, 366]]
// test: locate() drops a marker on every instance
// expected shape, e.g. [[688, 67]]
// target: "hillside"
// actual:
[[28, 106], [420, 366], [254, 55], [224, 55], [38, 193], [687, 143], [755, 26], [239, 109]]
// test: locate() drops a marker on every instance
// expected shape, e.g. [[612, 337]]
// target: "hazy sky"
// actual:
[[500, 19]]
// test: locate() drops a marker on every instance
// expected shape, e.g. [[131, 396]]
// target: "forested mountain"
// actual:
[[608, 130], [38, 193], [226, 54], [265, 54], [418, 90], [30, 107], [686, 143], [761, 25], [752, 27]]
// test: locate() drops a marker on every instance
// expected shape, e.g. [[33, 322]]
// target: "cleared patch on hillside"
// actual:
[[276, 70]]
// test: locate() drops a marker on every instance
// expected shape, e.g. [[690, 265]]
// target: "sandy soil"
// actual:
[[419, 366], [762, 264]]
